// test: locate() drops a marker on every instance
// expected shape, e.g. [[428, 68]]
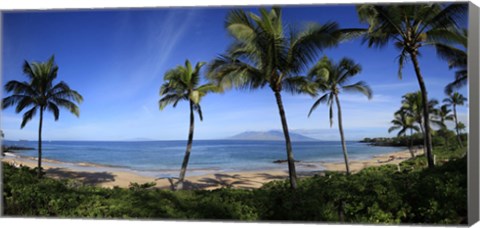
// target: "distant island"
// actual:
[[273, 135]]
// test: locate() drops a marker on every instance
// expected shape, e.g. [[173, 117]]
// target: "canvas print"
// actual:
[[352, 113]]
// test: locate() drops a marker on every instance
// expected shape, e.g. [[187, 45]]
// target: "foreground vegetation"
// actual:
[[417, 140], [409, 193]]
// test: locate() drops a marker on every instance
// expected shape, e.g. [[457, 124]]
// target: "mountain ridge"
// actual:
[[273, 135]]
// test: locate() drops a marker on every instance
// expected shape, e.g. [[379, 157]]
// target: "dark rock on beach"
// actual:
[[283, 161]]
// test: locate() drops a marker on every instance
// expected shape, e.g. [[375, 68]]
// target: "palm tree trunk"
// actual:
[[183, 170], [342, 137], [291, 162], [426, 122], [39, 171], [456, 125], [424, 139]]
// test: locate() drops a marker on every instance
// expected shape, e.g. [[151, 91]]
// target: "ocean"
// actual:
[[164, 158]]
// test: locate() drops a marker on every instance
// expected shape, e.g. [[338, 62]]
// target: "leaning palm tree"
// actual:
[[264, 52], [40, 94], [182, 83], [411, 27], [456, 58], [403, 122], [332, 78], [455, 99]]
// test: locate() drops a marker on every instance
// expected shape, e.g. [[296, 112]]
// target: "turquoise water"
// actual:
[[157, 157]]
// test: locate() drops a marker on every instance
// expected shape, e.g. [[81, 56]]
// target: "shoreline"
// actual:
[[110, 176]]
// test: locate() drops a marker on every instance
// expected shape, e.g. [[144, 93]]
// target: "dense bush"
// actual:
[[441, 137], [387, 194]]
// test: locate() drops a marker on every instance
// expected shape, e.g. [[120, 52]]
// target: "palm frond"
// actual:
[[322, 99], [384, 24], [347, 68], [15, 99], [69, 105], [24, 102], [239, 25], [54, 109], [198, 109], [62, 90], [20, 88], [208, 88], [393, 128], [448, 17], [28, 71], [460, 81], [320, 72], [227, 73], [351, 33], [402, 59], [454, 56], [299, 85], [28, 115], [170, 99], [361, 87], [304, 45]]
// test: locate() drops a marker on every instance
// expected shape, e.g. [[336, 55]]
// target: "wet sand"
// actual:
[[105, 176]]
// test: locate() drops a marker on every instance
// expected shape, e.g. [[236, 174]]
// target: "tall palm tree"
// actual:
[[403, 122], [456, 58], [332, 78], [411, 27], [40, 93], [182, 83], [265, 52], [455, 99]]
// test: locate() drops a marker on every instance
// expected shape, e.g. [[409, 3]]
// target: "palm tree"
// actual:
[[455, 99], [456, 58], [265, 53], [403, 122], [40, 93], [182, 83], [443, 115], [412, 105], [460, 127], [411, 27], [331, 78]]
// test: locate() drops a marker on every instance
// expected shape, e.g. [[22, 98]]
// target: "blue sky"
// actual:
[[117, 58]]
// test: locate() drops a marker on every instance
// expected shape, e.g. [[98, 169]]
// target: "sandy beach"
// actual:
[[109, 176]]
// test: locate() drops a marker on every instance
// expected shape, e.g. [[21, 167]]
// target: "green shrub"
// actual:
[[385, 194]]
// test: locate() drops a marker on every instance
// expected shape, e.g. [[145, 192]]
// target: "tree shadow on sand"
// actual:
[[268, 176], [229, 181], [187, 185], [219, 181], [88, 178]]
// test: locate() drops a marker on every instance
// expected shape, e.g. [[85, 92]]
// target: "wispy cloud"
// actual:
[[396, 85], [358, 98], [146, 63]]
